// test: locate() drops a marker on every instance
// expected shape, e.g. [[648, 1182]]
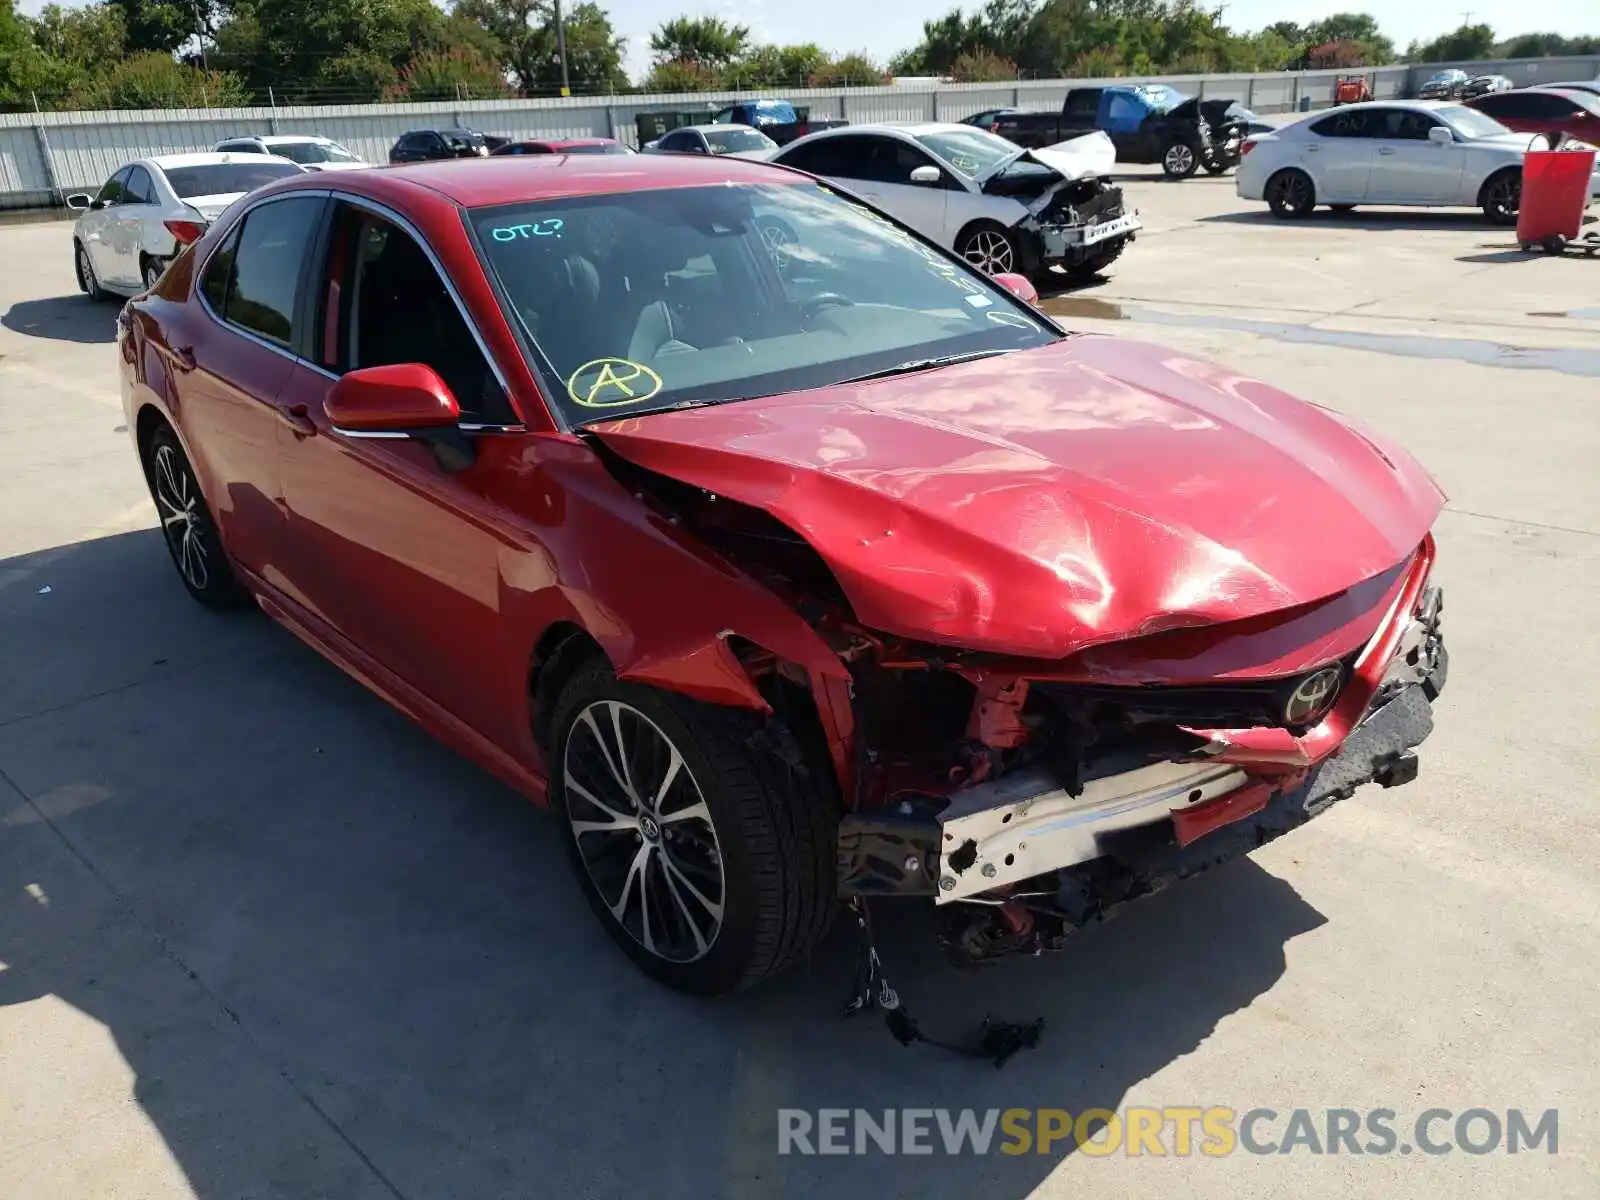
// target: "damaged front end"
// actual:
[[1077, 217]]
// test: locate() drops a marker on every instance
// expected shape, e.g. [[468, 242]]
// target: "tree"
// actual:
[[167, 24], [706, 41], [982, 66], [1336, 54], [594, 54], [777, 66], [853, 70], [1361, 29], [1466, 44], [87, 39], [1546, 45], [156, 80], [450, 75], [679, 75]]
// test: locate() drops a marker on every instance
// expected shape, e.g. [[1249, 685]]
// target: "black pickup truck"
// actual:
[[1148, 123]]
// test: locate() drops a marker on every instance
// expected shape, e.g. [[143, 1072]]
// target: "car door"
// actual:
[[398, 556], [97, 227], [127, 232], [1408, 167], [1514, 110], [231, 353], [1338, 155]]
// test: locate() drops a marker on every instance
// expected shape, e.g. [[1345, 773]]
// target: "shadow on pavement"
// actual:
[[64, 319], [340, 960], [1412, 218]]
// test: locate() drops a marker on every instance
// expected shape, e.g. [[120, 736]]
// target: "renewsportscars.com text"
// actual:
[[1172, 1131]]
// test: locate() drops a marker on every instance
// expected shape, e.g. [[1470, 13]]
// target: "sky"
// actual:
[[882, 29]]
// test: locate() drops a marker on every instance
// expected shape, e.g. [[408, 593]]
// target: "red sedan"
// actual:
[[562, 146], [789, 558], [1554, 111]]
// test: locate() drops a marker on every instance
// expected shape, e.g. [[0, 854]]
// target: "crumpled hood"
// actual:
[[1086, 157], [1040, 502]]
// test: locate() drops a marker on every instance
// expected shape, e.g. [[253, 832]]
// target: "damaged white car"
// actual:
[[1002, 208]]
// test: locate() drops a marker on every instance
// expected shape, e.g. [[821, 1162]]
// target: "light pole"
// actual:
[[561, 50]]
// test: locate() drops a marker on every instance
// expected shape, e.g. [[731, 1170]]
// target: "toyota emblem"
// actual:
[[1312, 697]]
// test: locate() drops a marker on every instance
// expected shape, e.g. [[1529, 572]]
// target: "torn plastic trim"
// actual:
[[1025, 824]]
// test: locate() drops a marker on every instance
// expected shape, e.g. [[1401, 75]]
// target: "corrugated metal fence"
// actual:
[[43, 155]]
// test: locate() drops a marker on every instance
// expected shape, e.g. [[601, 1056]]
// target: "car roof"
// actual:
[[711, 128], [902, 128], [513, 178], [208, 158]]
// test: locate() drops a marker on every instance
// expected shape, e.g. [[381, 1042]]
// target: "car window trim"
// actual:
[[378, 209]]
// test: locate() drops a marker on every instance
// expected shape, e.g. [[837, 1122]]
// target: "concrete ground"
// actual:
[[259, 937]]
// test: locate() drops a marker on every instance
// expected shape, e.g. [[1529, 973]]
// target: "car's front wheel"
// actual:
[[1501, 197], [1291, 194], [187, 525], [989, 248], [1179, 160], [87, 279], [702, 840]]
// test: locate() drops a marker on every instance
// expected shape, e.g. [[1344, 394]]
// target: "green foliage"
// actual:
[[450, 75], [853, 70], [521, 36], [155, 80], [704, 41], [681, 75], [776, 66], [982, 66], [1466, 44], [1546, 45]]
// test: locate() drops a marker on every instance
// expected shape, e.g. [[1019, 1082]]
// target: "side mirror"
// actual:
[[925, 175], [1440, 136], [404, 400], [80, 202], [1019, 286]]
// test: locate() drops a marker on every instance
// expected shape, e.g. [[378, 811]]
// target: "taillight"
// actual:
[[994, 127], [185, 232], [1248, 145]]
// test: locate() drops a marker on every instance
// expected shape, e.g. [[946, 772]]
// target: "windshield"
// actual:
[[1161, 97], [313, 152], [458, 138], [734, 141], [1469, 122], [973, 152], [220, 179], [639, 301]]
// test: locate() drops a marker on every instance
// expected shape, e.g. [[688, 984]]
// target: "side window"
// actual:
[[896, 160], [115, 188], [1507, 104], [1362, 123], [139, 190], [219, 273], [1124, 109], [675, 142], [848, 157], [1402, 124], [1083, 104], [1549, 106], [267, 262], [394, 308]]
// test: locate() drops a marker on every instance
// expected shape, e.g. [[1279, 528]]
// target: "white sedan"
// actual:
[[1002, 208], [151, 208], [311, 152], [1394, 152]]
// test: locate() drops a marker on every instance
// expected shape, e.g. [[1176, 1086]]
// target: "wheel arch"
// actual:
[[1496, 173], [1291, 169]]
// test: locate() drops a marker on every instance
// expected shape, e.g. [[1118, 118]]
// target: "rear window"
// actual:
[[733, 141], [221, 179], [462, 137], [313, 152], [603, 148]]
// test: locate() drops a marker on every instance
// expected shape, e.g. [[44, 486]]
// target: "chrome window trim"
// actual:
[[379, 209], [373, 434]]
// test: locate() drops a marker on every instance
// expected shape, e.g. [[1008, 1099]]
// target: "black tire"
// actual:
[[989, 247], [1180, 160], [1501, 196], [773, 822], [187, 525], [1291, 195], [1343, 209], [151, 270], [83, 267]]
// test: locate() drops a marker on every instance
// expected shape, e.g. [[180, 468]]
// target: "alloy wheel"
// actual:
[[1503, 197], [990, 251], [177, 503], [91, 285], [152, 274], [1292, 190], [1179, 160], [643, 831]]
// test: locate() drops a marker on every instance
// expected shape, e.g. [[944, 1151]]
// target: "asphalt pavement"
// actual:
[[261, 937]]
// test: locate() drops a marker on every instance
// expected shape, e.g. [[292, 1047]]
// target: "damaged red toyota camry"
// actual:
[[789, 559]]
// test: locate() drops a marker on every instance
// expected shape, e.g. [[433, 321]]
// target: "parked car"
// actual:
[[1001, 208], [1592, 86], [778, 119], [1148, 123], [312, 153], [1392, 152], [151, 208], [1444, 85], [425, 145], [723, 141], [851, 576], [1483, 85], [593, 145], [1559, 113]]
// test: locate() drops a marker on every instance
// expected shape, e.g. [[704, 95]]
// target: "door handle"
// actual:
[[296, 418], [182, 357], [1385, 149], [1313, 149]]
